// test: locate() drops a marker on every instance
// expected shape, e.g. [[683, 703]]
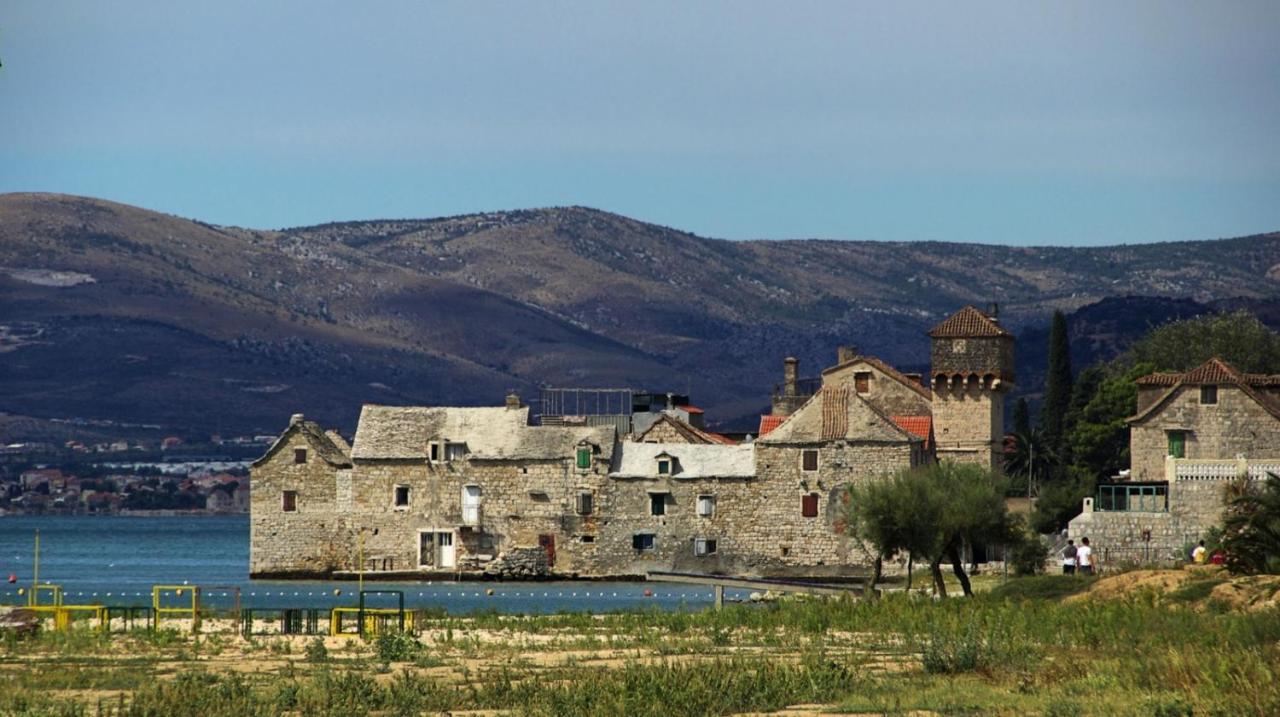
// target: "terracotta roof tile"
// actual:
[[768, 423], [917, 425], [968, 322], [1213, 371]]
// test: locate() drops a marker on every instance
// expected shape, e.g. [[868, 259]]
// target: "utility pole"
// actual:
[[35, 574]]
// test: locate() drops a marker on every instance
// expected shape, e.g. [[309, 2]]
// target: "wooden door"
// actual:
[[548, 543]]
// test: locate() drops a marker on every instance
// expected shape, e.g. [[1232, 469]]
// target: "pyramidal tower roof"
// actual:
[[968, 322]]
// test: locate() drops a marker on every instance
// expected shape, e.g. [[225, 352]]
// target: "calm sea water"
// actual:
[[115, 560]]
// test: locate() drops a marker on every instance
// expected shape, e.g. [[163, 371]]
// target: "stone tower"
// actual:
[[972, 362]]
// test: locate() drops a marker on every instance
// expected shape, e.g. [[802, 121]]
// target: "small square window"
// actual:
[[706, 506], [809, 459], [704, 546], [809, 505], [1208, 395], [643, 541], [664, 467], [289, 501], [402, 496], [862, 382], [588, 538], [657, 503], [299, 456]]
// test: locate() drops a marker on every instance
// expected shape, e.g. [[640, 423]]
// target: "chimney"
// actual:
[[846, 353], [295, 419], [918, 378], [994, 314], [671, 401], [790, 375], [513, 401]]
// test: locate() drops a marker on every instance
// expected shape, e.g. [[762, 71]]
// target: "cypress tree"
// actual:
[[1057, 386], [1021, 418]]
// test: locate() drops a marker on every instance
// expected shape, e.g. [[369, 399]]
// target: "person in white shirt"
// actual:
[[1084, 557]]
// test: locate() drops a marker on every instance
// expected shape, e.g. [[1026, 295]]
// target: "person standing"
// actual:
[[1084, 557], [1069, 558]]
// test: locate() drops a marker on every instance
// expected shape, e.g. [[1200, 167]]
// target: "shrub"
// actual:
[[396, 647], [1027, 556], [316, 651]]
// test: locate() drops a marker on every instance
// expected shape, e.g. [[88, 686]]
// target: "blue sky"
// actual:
[[1076, 123]]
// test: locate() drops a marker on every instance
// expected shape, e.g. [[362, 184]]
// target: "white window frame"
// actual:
[[395, 495], [703, 547], [710, 500]]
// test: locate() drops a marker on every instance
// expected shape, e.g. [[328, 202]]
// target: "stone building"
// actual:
[[430, 490], [959, 412], [1192, 435]]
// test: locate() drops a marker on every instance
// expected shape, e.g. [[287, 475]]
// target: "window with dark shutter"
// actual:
[[402, 495], [862, 382], [642, 541], [299, 455], [289, 501], [585, 503], [657, 503], [809, 505], [810, 460], [1208, 395]]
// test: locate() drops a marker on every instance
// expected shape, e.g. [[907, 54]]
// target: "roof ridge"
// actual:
[[969, 321]]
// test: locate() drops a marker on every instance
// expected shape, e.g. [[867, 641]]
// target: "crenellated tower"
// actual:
[[972, 371]]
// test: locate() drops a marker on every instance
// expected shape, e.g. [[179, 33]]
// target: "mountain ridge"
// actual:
[[462, 309]]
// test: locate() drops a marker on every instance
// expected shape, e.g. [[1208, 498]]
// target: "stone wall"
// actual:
[[1116, 537], [968, 423], [980, 355], [310, 540], [884, 392], [1235, 425], [520, 501]]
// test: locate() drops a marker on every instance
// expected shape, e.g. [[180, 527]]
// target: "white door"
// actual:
[[471, 505], [446, 556]]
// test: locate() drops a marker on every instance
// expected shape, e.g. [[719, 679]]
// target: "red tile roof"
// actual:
[[768, 423], [968, 322], [921, 426], [1213, 372]]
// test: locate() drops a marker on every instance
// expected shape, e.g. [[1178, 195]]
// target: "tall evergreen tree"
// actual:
[[1057, 387], [1021, 418]]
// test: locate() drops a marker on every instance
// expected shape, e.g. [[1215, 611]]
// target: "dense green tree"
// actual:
[[932, 512], [1100, 438], [1251, 529], [1238, 337], [1030, 461], [1057, 387], [1060, 501]]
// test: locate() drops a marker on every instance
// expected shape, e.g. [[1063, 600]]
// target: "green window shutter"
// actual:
[[1177, 444], [584, 458]]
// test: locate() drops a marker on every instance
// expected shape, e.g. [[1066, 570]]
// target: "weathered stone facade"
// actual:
[[310, 538], [425, 491], [1193, 434]]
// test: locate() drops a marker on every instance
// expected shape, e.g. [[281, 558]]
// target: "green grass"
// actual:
[[1016, 650]]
